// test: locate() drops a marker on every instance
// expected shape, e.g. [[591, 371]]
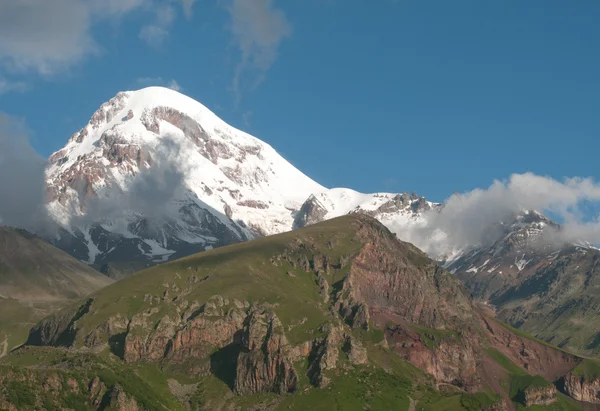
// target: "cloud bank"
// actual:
[[468, 219], [21, 177]]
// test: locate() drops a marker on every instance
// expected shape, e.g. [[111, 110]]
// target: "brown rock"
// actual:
[[581, 389], [540, 396], [264, 364]]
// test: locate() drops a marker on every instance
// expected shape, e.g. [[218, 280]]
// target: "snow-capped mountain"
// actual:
[[155, 175], [517, 248]]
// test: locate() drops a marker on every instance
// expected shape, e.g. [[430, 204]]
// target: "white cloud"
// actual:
[[44, 35], [155, 34], [174, 85], [159, 81], [466, 218], [8, 86], [258, 29], [21, 176], [188, 6], [49, 36]]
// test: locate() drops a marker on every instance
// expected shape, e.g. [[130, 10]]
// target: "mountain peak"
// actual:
[[156, 154]]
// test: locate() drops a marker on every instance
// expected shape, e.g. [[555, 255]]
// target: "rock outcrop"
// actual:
[[540, 396], [263, 364], [582, 389]]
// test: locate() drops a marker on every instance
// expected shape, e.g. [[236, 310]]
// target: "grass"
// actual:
[[589, 369], [563, 403], [520, 383], [17, 319], [524, 334], [357, 389], [505, 362], [31, 366], [242, 271], [433, 337], [374, 335]]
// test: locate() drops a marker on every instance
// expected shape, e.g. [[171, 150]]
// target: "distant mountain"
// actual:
[[37, 278], [550, 289], [32, 270], [337, 315], [155, 175]]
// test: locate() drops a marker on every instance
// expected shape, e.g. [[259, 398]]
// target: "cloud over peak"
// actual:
[[465, 219]]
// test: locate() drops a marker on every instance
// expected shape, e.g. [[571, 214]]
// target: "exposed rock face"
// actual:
[[449, 358], [581, 389], [264, 365], [540, 396], [312, 211], [325, 355], [119, 400], [384, 293], [395, 278], [357, 353]]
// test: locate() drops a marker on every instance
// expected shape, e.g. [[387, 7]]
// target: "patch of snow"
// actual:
[[521, 262], [93, 250]]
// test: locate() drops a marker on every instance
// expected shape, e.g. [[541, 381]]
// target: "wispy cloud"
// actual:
[[158, 81], [8, 86], [155, 34], [188, 6], [174, 85], [258, 29]]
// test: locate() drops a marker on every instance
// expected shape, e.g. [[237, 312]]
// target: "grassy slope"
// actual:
[[32, 366], [518, 381], [243, 272], [17, 318], [37, 279], [33, 270]]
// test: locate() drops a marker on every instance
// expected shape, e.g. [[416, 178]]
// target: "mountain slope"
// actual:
[[339, 312], [549, 289], [155, 176], [32, 270], [36, 279], [221, 184]]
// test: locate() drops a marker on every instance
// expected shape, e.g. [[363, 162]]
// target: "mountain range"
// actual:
[[155, 176], [337, 315], [258, 281]]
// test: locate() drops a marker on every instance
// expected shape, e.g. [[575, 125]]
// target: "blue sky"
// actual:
[[376, 95]]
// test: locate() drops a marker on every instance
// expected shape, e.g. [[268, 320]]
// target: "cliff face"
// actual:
[[582, 389], [264, 364], [540, 396]]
